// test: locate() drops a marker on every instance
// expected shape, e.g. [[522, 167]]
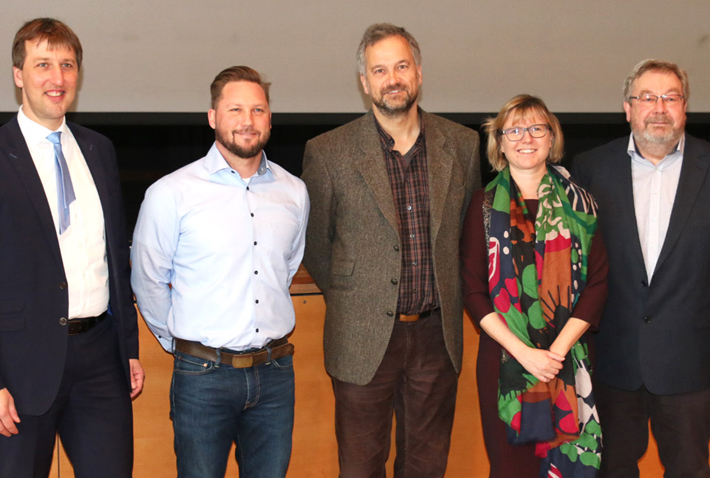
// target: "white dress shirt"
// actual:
[[214, 254], [83, 244], [655, 188]]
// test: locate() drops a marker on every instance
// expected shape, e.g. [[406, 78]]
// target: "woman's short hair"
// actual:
[[518, 107]]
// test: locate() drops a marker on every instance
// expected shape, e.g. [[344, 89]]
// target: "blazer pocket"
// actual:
[[11, 317], [341, 275], [342, 268]]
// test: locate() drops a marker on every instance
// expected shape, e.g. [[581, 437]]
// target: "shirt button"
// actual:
[[63, 321], [412, 236], [647, 320], [247, 188], [409, 208], [255, 243], [257, 331], [62, 285], [252, 214], [257, 301], [414, 263], [256, 272]]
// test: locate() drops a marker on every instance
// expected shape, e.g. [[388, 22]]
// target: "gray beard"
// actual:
[[395, 111]]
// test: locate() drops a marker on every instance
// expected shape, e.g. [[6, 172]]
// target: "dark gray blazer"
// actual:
[[33, 290], [655, 334], [352, 241]]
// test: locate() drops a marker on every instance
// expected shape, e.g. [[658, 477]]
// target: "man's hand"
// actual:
[[8, 414], [137, 377]]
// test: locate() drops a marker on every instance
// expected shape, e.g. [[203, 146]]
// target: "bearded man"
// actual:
[[389, 192], [653, 358], [214, 251]]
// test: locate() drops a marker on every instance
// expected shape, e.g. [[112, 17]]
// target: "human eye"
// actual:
[[671, 98], [512, 131], [536, 128], [648, 99]]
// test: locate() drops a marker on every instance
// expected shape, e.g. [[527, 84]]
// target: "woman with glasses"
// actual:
[[534, 275]]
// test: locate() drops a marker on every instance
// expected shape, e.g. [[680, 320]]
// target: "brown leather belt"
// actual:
[[279, 348], [415, 317], [84, 324]]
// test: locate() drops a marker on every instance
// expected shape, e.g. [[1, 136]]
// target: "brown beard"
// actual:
[[235, 149]]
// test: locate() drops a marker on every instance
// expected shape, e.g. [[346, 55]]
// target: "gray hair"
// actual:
[[655, 65], [380, 31]]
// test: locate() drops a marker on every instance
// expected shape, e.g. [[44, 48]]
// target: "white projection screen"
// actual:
[[161, 55]]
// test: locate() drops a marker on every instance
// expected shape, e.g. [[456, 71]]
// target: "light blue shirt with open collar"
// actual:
[[655, 188], [214, 254]]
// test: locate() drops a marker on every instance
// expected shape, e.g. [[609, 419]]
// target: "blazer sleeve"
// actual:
[[318, 253]]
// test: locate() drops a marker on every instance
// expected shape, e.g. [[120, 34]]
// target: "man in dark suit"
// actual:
[[68, 330], [388, 194], [653, 345]]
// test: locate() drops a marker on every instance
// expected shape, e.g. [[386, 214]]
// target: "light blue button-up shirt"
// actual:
[[655, 187], [214, 254]]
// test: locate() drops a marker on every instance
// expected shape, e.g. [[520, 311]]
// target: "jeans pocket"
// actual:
[[185, 364], [284, 362]]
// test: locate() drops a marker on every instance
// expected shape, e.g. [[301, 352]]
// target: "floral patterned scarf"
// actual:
[[536, 273]]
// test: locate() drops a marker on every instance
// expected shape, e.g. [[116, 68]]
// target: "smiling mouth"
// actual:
[[526, 151], [55, 94]]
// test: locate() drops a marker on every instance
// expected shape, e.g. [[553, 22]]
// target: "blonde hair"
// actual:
[[521, 106]]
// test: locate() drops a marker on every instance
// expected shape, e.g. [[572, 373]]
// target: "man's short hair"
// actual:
[[658, 66], [380, 31], [56, 33], [519, 107], [236, 73]]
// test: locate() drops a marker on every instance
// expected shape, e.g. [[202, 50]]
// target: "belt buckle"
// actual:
[[242, 361]]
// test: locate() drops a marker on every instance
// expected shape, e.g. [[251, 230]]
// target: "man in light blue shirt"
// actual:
[[214, 251], [652, 352]]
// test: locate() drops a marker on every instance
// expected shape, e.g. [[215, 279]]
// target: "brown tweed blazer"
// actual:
[[352, 241]]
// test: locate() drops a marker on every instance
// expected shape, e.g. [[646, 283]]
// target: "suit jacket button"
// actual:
[[390, 313], [395, 281], [63, 321], [647, 320], [644, 283], [62, 285], [396, 248]]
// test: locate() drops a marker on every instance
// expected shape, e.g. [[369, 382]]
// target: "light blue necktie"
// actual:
[[65, 190]]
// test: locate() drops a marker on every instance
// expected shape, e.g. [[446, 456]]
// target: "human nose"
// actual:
[[660, 105], [57, 75], [527, 137]]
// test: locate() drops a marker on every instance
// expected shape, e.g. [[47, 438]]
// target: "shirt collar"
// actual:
[[387, 141], [676, 152], [215, 162], [34, 132]]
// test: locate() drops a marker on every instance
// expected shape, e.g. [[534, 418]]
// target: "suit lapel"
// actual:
[[18, 155], [373, 169], [692, 177], [440, 156]]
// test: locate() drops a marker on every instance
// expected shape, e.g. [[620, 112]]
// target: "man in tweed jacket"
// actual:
[[388, 194]]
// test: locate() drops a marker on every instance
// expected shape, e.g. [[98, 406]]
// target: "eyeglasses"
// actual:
[[648, 100], [516, 134]]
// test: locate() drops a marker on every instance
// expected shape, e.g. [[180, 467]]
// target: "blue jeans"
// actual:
[[214, 405]]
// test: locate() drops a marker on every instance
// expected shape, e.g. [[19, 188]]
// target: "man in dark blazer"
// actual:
[[388, 194], [68, 330], [653, 345]]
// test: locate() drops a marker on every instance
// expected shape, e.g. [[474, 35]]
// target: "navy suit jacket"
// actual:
[[654, 333], [33, 290]]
